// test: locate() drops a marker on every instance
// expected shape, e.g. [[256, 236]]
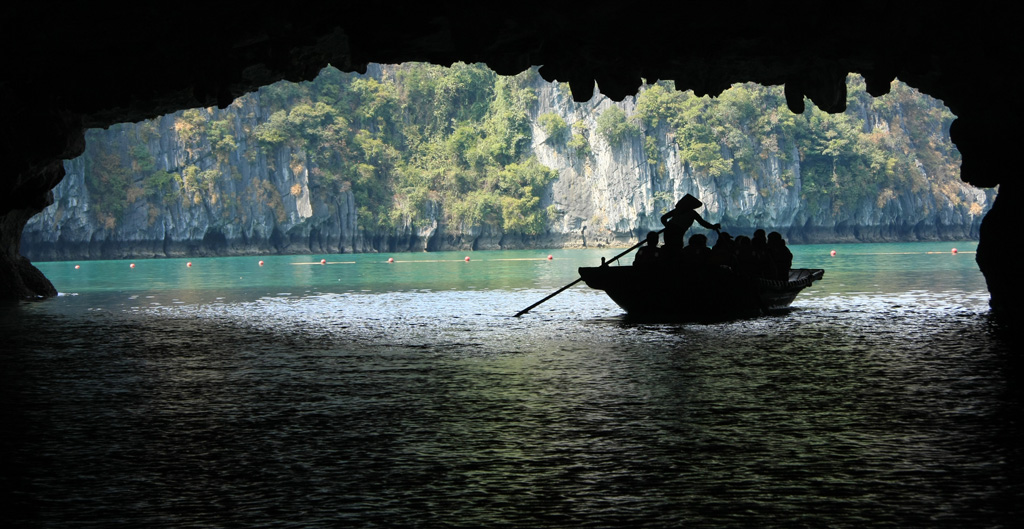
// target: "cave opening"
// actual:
[[268, 153], [707, 52], [293, 399]]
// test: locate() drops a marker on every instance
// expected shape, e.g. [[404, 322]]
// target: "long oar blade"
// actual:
[[553, 294], [566, 287]]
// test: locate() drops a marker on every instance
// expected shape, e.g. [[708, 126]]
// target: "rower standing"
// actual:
[[679, 220]]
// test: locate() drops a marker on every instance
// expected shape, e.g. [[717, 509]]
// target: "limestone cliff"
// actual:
[[225, 203], [158, 188], [617, 194]]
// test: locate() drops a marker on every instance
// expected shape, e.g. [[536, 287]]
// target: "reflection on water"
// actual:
[[437, 408]]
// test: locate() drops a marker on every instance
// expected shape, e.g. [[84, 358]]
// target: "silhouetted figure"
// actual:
[[762, 257], [781, 257], [648, 253], [679, 220], [745, 262], [723, 253], [759, 241], [694, 256]]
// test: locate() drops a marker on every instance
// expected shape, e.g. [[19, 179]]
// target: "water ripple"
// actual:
[[440, 409]]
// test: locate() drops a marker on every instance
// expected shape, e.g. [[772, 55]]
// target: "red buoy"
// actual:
[[77, 267], [550, 258], [833, 254], [261, 263], [467, 258], [954, 251], [131, 265], [391, 259], [189, 264], [323, 261]]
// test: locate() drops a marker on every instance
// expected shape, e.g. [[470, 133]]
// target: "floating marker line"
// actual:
[[520, 259], [461, 260], [425, 261], [327, 263], [906, 253]]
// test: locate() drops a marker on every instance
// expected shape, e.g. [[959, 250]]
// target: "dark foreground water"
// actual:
[[365, 394]]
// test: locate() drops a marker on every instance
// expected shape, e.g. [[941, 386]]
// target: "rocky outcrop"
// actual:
[[260, 205], [234, 197], [617, 195], [157, 59]]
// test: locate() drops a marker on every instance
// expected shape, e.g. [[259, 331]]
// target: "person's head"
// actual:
[[699, 240], [775, 238], [652, 238], [759, 235], [688, 202]]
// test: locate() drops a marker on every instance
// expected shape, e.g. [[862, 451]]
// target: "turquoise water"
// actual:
[[374, 394], [242, 276], [856, 268]]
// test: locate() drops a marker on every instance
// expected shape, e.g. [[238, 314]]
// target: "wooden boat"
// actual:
[[715, 294]]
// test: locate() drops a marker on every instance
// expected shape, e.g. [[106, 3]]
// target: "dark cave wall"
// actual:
[[67, 67]]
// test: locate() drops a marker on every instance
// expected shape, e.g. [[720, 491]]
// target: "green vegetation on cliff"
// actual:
[[843, 158], [426, 135], [417, 144]]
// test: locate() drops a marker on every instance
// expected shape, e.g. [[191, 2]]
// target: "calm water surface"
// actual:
[[368, 394]]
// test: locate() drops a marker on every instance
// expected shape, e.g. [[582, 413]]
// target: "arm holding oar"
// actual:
[[566, 287]]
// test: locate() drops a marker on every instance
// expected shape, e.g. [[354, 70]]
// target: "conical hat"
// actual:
[[689, 202]]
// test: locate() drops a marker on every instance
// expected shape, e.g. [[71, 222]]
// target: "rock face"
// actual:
[[155, 59], [262, 205], [618, 195], [231, 198]]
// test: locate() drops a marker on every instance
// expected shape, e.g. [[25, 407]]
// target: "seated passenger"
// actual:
[[695, 255], [745, 262], [762, 258], [723, 252], [648, 253], [759, 239], [780, 255]]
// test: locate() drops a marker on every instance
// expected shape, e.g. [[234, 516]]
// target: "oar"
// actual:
[[566, 287]]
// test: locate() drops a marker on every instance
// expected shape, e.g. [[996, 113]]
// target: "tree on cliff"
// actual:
[[414, 144]]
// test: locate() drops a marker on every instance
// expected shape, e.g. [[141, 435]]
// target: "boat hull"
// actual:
[[657, 293]]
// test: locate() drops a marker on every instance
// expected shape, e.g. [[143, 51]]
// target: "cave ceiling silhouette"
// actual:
[[71, 67]]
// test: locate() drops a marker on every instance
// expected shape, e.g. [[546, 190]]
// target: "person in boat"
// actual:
[[679, 220], [648, 253], [723, 253], [694, 255], [763, 263], [781, 256], [746, 263]]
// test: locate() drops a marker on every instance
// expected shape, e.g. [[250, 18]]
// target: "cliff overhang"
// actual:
[[70, 67]]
